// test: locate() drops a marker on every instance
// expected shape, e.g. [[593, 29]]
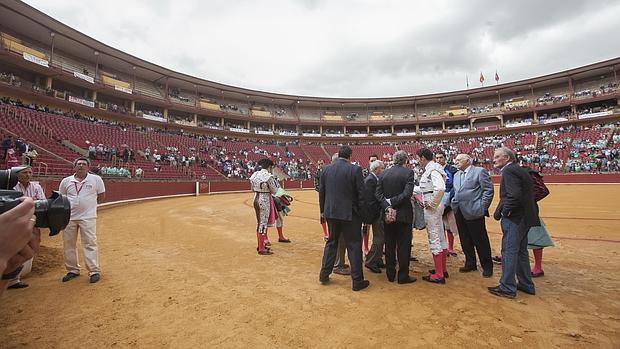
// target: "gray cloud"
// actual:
[[352, 48]]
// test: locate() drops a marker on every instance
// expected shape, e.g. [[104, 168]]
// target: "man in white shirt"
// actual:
[[84, 190], [35, 191]]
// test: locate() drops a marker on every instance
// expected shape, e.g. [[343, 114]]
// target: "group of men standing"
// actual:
[[386, 200]]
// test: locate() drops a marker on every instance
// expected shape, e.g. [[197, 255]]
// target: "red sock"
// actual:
[[280, 235], [325, 233], [437, 259], [538, 253], [450, 241], [444, 261], [260, 241]]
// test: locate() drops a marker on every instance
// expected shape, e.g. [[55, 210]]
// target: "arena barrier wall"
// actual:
[[577, 178], [119, 191]]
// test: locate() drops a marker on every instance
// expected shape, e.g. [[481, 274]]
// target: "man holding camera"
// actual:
[[84, 190], [34, 191]]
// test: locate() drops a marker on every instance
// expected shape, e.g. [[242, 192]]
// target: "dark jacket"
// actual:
[[396, 184], [341, 191], [373, 206], [517, 197]]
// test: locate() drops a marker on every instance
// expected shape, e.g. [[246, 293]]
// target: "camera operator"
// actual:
[[34, 191], [83, 190], [17, 241]]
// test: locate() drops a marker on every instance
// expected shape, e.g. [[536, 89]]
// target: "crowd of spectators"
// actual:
[[602, 90], [16, 151], [11, 79], [548, 98], [588, 154]]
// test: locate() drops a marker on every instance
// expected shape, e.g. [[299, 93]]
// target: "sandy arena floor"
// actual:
[[183, 273]]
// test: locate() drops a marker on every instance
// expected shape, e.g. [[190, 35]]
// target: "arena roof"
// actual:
[[36, 25]]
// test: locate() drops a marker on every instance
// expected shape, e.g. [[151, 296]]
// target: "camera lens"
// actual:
[[53, 213], [8, 178]]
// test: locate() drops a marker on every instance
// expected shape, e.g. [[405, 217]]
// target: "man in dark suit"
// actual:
[[373, 216], [394, 191], [341, 200], [473, 194], [517, 212]]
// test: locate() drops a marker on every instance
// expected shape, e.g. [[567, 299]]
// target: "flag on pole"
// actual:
[[496, 76], [481, 79], [467, 80]]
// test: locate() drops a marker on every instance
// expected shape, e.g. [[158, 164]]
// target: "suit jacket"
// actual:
[[517, 197], [373, 207], [341, 191], [474, 196], [396, 184]]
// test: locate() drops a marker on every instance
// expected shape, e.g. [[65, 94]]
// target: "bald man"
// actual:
[[473, 193]]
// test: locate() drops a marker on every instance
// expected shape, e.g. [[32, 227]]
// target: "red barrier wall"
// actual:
[[577, 178], [119, 190], [116, 191]]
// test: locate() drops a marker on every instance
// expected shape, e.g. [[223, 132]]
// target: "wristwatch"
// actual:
[[12, 275]]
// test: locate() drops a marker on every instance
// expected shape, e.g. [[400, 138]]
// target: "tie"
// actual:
[[463, 179]]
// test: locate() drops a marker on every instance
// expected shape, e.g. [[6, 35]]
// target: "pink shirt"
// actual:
[[32, 190]]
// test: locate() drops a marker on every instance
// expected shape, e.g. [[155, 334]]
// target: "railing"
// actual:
[[39, 165]]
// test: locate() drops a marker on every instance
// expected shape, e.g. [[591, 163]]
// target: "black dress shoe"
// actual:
[[539, 274], [487, 273], [497, 259], [18, 285], [286, 241], [525, 290], [497, 291], [408, 280], [94, 278], [435, 281], [467, 269], [360, 285], [324, 280], [413, 259], [70, 276], [373, 268], [381, 265], [445, 273]]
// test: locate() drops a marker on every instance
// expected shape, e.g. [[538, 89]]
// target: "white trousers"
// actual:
[[449, 222], [88, 236], [27, 268], [436, 236]]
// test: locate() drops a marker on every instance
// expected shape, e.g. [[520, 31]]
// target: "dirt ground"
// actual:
[[184, 273]]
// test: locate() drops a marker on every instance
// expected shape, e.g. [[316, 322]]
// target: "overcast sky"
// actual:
[[345, 48]]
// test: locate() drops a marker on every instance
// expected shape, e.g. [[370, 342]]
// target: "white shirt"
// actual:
[[33, 190], [463, 175], [82, 195]]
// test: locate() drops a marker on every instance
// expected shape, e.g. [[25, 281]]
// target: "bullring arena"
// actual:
[[183, 273], [176, 231]]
